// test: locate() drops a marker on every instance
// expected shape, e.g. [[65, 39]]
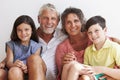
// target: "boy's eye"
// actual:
[[76, 21], [96, 30]]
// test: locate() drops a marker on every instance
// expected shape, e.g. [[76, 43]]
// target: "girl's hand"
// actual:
[[21, 65], [2, 65], [18, 63], [24, 68], [68, 58]]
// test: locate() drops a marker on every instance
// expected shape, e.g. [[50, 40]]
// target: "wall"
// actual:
[[11, 9]]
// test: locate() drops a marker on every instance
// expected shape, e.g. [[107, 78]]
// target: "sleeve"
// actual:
[[10, 44], [35, 47], [86, 57]]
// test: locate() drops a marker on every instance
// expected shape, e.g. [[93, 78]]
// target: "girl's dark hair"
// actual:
[[27, 20], [96, 20], [76, 11]]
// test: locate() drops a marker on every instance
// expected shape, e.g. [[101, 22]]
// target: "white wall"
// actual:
[[11, 9]]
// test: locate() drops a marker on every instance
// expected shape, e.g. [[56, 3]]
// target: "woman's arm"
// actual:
[[115, 40]]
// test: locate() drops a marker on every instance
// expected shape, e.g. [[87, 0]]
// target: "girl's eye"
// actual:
[[26, 29], [18, 30]]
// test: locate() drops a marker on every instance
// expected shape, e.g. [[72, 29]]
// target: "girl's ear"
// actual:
[[38, 19]]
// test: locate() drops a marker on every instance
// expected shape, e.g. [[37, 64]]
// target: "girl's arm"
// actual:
[[37, 52], [2, 64], [9, 58]]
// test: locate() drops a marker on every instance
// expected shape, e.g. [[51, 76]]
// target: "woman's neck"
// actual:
[[79, 42], [77, 38]]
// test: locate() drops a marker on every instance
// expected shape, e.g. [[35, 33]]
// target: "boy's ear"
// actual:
[[105, 29]]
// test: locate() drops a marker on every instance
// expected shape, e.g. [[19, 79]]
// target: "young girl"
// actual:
[[23, 43]]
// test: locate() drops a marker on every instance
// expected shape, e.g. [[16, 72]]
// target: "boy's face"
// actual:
[[96, 34]]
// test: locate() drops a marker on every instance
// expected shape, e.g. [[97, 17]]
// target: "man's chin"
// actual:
[[49, 32]]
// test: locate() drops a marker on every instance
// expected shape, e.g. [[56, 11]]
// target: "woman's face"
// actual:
[[72, 24]]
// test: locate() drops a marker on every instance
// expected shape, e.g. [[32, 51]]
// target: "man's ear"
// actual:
[[38, 19]]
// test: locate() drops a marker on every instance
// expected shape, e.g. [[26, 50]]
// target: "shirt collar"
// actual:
[[106, 45]]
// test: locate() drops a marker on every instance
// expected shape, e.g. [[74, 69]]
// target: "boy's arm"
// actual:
[[114, 73]]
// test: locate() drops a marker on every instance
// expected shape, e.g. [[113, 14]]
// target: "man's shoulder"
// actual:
[[59, 33]]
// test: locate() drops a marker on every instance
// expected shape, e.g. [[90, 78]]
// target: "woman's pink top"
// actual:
[[64, 48]]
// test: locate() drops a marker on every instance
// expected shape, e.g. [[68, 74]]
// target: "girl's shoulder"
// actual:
[[11, 43], [34, 43]]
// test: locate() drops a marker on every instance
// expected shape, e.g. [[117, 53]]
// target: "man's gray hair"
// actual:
[[48, 6]]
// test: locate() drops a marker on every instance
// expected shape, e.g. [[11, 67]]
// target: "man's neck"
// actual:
[[44, 36]]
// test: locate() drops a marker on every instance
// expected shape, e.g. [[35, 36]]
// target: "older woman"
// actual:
[[73, 47]]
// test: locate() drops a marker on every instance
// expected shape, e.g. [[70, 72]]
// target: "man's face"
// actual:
[[48, 21]]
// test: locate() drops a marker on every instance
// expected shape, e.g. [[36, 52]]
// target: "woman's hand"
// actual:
[[68, 58], [115, 40]]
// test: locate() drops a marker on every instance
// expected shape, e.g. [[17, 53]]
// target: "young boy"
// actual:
[[104, 54]]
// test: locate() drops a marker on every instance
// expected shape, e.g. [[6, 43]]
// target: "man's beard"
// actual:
[[48, 30]]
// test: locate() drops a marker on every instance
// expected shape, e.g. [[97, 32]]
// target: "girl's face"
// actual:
[[96, 34], [24, 32], [72, 24]]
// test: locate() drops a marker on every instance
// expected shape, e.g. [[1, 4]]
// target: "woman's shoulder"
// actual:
[[63, 43]]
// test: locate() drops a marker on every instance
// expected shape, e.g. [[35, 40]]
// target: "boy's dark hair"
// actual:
[[96, 20]]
